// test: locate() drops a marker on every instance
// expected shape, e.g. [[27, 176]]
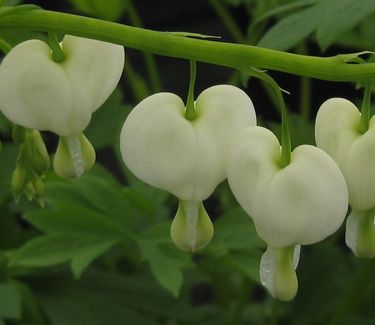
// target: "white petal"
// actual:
[[97, 65], [34, 91], [300, 204], [186, 158], [337, 132]]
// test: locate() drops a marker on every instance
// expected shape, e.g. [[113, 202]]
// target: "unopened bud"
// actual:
[[19, 182], [39, 154]]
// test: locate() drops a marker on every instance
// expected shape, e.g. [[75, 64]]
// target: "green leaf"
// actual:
[[292, 29], [31, 310], [104, 9], [105, 126], [234, 231], [10, 301], [54, 249], [107, 298], [101, 195], [166, 263], [75, 220], [12, 3], [281, 10], [339, 17], [80, 262], [323, 288], [246, 262]]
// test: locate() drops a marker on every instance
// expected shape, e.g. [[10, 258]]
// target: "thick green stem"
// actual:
[[366, 109], [190, 112], [236, 56], [57, 52]]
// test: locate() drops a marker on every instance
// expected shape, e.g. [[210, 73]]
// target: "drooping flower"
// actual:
[[186, 157], [338, 132], [299, 204], [38, 93]]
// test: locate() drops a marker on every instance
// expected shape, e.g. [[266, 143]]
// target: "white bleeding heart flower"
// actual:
[[185, 157], [338, 132], [299, 204], [38, 93]]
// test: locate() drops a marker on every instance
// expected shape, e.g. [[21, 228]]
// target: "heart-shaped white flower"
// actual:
[[299, 204], [302, 203], [186, 157], [38, 93], [338, 132]]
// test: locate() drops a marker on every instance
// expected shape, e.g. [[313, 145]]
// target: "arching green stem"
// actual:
[[286, 147], [366, 108], [57, 52], [238, 56], [190, 113]]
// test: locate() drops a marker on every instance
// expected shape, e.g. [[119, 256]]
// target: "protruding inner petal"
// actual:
[[277, 271], [360, 233], [191, 228], [75, 150], [74, 156]]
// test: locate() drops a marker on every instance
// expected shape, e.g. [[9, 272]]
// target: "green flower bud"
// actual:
[[19, 182], [38, 188], [191, 228], [39, 154], [74, 156]]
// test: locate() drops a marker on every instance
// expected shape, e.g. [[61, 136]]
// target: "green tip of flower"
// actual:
[[74, 156], [277, 271], [191, 228], [360, 234]]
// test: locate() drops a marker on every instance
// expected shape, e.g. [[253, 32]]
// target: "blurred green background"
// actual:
[[100, 252]]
